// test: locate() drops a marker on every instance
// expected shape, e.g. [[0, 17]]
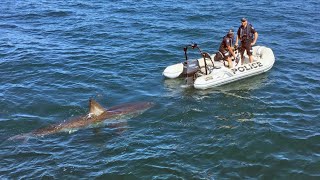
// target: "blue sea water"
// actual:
[[55, 55]]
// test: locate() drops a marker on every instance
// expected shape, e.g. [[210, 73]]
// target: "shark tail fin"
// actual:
[[95, 108]]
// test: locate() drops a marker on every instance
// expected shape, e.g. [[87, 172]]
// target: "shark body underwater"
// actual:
[[97, 114]]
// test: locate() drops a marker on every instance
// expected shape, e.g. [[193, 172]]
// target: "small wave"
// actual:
[[8, 26], [58, 14]]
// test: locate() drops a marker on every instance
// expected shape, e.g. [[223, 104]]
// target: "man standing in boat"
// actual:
[[248, 37], [226, 48]]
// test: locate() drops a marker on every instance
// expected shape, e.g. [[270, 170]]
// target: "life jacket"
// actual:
[[246, 33], [223, 46]]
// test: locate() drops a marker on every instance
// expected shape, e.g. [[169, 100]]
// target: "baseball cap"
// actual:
[[243, 19], [230, 31]]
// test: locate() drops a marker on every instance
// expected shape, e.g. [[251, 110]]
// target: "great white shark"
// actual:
[[96, 114]]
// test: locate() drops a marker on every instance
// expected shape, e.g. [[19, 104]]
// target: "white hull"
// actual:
[[220, 75]]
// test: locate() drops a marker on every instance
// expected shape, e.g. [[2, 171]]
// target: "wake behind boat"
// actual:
[[211, 71]]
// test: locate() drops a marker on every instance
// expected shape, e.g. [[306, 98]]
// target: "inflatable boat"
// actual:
[[211, 70]]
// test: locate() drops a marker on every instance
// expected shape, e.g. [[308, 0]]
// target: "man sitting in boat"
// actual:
[[245, 33], [226, 48]]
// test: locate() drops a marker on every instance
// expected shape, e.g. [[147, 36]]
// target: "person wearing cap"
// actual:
[[248, 37], [226, 47]]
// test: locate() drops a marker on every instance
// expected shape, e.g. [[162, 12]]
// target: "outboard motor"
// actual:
[[191, 69]]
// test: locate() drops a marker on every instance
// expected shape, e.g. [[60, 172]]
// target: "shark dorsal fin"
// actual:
[[95, 108]]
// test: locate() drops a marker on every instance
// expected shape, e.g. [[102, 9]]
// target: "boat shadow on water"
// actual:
[[177, 86]]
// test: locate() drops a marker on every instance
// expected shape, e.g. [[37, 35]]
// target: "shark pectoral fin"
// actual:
[[95, 108]]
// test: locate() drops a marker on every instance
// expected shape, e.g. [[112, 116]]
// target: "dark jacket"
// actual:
[[227, 41], [246, 33]]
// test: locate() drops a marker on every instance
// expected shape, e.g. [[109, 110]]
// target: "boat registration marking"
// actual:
[[247, 67]]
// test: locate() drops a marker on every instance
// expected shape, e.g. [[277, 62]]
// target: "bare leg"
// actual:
[[229, 63], [242, 59], [251, 59]]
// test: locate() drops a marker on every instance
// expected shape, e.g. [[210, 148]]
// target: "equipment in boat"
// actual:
[[191, 69]]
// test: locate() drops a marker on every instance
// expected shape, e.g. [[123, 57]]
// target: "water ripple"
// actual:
[[56, 55]]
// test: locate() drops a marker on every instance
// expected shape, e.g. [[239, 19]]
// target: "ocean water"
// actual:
[[56, 55]]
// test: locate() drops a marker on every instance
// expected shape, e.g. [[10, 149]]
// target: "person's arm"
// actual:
[[237, 39], [255, 38], [255, 35], [231, 51]]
